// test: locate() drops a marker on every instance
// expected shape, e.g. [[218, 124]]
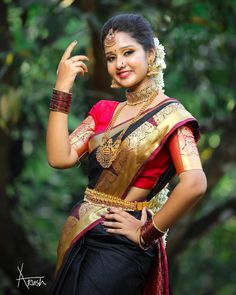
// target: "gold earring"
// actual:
[[152, 70], [115, 84]]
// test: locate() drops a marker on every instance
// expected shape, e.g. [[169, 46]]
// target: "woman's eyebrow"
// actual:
[[119, 48]]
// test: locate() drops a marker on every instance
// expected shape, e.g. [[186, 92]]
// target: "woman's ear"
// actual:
[[151, 55]]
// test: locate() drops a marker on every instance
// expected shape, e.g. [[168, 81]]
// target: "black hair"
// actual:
[[133, 24]]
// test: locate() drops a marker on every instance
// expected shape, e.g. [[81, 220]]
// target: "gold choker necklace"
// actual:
[[134, 98], [107, 152]]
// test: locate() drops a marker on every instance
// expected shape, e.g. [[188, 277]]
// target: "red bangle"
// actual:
[[60, 101], [149, 234]]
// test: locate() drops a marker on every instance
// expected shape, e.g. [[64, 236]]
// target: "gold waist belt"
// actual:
[[102, 199]]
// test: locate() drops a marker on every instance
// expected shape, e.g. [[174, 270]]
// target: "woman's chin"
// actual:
[[128, 83], [133, 83]]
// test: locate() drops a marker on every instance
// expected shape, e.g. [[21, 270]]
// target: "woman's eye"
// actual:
[[110, 58], [129, 52]]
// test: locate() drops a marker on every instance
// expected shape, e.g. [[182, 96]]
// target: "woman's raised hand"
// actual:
[[69, 67]]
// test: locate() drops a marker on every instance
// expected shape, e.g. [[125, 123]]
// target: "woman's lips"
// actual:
[[124, 75]]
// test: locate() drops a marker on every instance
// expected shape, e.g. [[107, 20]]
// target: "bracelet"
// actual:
[[140, 240], [156, 227], [60, 101], [150, 234], [141, 243]]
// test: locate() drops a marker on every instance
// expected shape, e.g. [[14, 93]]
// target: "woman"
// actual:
[[112, 242]]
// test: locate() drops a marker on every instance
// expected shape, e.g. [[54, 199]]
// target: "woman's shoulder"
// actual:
[[103, 106], [173, 103], [173, 109], [104, 103], [181, 107], [181, 114]]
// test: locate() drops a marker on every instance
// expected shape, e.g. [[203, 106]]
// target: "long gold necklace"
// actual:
[[108, 150]]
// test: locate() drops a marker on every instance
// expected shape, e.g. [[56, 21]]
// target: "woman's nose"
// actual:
[[120, 63]]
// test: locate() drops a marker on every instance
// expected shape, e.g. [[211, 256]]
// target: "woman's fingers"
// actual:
[[120, 212], [112, 224], [69, 67], [118, 231], [68, 50], [78, 64], [115, 216], [79, 58]]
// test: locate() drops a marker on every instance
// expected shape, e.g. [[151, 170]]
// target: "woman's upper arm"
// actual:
[[183, 150], [185, 156], [79, 138]]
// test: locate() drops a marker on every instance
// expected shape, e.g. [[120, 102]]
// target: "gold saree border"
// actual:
[[75, 224]]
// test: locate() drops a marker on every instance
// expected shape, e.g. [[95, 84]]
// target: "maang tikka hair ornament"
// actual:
[[110, 39]]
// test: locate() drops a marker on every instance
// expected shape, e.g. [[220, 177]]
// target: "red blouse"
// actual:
[[180, 148]]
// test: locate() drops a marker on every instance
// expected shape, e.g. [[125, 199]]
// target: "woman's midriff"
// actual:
[[137, 194]]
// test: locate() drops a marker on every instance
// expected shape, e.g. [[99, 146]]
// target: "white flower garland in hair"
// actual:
[[159, 63]]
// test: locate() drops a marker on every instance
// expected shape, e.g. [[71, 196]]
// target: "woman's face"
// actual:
[[127, 62]]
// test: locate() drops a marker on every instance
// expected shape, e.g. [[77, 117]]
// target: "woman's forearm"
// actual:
[[59, 152], [186, 194]]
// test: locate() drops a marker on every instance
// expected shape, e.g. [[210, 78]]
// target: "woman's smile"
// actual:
[[124, 74]]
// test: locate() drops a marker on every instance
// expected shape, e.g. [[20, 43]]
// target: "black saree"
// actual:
[[101, 263]]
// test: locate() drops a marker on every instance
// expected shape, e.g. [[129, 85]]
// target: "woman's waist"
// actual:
[[106, 200]]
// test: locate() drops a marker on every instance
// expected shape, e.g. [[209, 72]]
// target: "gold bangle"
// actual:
[[140, 240], [156, 227]]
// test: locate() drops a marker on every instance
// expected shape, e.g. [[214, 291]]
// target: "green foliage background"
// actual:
[[199, 37]]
